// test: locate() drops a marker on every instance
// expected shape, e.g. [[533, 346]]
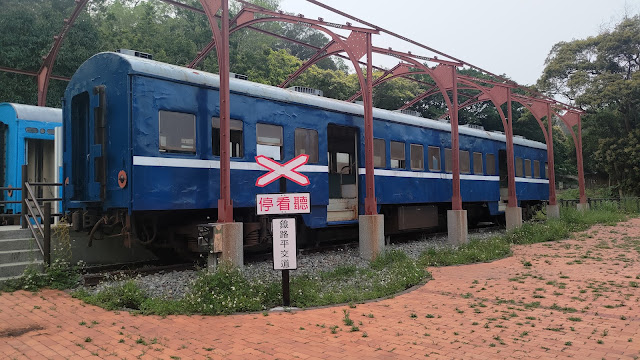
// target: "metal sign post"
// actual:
[[283, 229], [284, 252]]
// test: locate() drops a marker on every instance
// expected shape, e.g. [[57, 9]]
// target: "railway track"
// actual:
[[96, 274]]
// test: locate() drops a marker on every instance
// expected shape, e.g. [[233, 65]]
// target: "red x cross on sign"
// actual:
[[287, 170]]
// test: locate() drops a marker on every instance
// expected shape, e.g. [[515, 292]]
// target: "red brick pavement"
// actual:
[[575, 298]]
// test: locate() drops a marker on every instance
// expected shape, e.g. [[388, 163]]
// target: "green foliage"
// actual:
[[571, 220], [59, 275], [600, 74], [127, 295], [594, 193], [227, 291], [475, 251], [619, 158]]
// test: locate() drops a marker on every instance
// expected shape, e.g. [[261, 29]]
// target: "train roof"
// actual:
[[179, 73], [35, 113]]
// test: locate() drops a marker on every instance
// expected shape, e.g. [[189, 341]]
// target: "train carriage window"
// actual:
[[306, 142], [491, 164], [236, 144], [269, 141], [434, 158], [546, 170], [448, 160], [519, 167], [465, 163], [477, 163], [397, 155], [177, 132], [527, 168], [417, 157], [536, 169], [379, 153]]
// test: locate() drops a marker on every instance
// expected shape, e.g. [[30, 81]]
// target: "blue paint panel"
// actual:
[[135, 98]]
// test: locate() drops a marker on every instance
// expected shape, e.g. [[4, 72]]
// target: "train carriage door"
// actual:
[[41, 165], [504, 180], [343, 173], [3, 161]]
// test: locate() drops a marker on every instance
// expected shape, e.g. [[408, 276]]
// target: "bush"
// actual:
[[126, 295], [225, 291], [59, 275]]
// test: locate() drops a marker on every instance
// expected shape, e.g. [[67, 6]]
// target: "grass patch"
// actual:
[[497, 247], [227, 290], [58, 275]]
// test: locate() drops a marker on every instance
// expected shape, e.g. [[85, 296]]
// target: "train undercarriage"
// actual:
[[171, 233]]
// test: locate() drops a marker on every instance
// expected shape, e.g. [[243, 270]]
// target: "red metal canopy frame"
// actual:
[[444, 74]]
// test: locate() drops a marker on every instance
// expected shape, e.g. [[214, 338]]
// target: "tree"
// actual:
[[601, 75]]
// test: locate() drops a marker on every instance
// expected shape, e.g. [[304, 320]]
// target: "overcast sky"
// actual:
[[511, 37]]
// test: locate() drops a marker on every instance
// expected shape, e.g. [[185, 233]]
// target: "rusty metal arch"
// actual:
[[498, 98], [352, 46], [571, 119], [44, 74]]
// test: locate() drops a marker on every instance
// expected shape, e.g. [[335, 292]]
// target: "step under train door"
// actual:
[[343, 173]]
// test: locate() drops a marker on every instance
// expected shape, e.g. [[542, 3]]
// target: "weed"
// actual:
[[347, 320]]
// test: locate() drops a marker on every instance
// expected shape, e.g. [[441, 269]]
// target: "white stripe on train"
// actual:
[[242, 165]]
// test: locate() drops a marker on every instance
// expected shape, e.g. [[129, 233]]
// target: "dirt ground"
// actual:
[[575, 298]]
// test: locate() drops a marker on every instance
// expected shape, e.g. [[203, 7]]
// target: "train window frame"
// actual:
[[188, 146], [379, 159], [536, 169], [433, 153], [236, 138], [477, 160], [307, 138], [397, 161], [519, 167], [448, 160], [418, 150], [464, 160], [527, 168], [491, 164], [270, 149]]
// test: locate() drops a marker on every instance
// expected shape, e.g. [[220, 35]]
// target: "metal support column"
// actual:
[[583, 196], [550, 158], [456, 198], [370, 203], [513, 201]]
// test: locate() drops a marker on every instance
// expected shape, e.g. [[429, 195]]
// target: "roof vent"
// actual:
[[518, 136], [477, 127], [135, 53], [409, 112], [306, 90], [497, 132], [445, 121], [238, 76]]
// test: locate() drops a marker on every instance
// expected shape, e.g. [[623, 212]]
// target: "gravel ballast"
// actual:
[[175, 284]]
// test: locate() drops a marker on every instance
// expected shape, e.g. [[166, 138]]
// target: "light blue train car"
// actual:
[[27, 137]]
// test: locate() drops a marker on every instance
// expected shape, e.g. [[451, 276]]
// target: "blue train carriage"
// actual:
[[142, 140], [27, 137]]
